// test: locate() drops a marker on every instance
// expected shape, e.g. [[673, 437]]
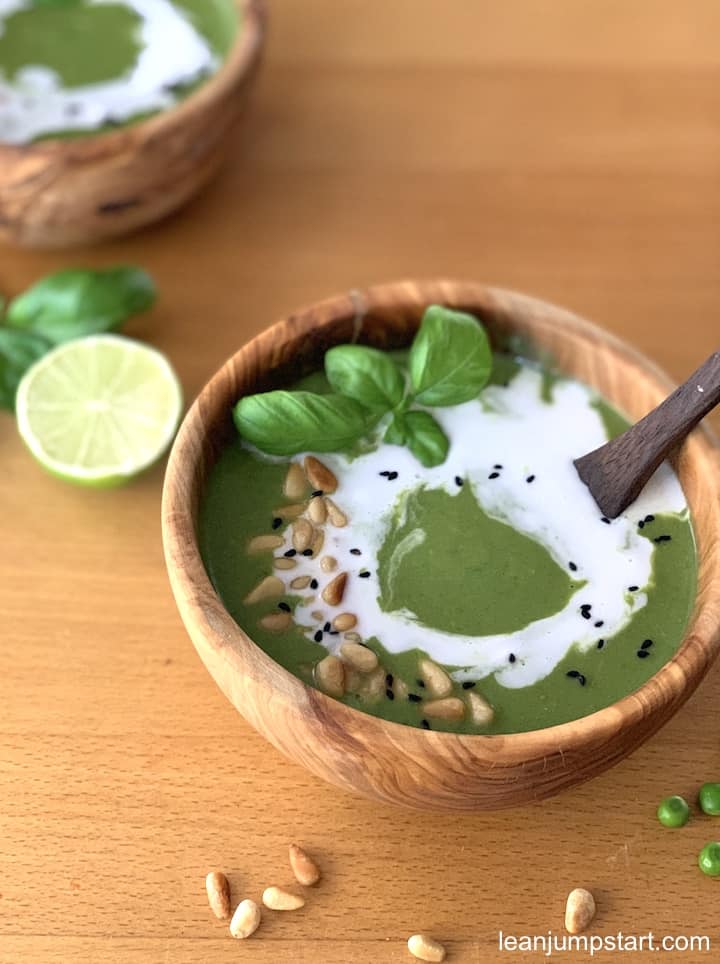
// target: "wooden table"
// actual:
[[568, 149]]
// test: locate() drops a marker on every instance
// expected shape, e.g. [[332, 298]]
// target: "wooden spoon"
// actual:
[[617, 472]]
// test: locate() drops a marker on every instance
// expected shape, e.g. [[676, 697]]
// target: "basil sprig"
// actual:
[[62, 306], [449, 363]]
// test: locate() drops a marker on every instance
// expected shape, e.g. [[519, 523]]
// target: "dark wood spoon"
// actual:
[[617, 472]]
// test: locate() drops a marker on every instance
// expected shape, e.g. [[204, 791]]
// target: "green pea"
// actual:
[[673, 812], [709, 798], [709, 859]]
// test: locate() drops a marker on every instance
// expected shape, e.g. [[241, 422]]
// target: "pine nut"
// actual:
[[303, 533], [319, 475], [317, 542], [318, 615], [264, 543], [291, 511], [451, 708], [330, 676], [359, 657], [353, 679], [336, 516], [400, 688], [334, 591], [317, 510], [579, 910], [295, 485], [480, 710], [424, 948], [303, 866], [275, 898], [277, 622], [353, 637], [246, 919], [300, 582], [436, 680], [268, 588], [328, 563], [283, 563], [344, 621], [218, 892], [374, 684]]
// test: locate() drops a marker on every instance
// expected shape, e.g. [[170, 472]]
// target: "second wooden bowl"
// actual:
[[386, 761], [60, 192]]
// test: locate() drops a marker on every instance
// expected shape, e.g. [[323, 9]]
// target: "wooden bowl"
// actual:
[[387, 761], [60, 192]]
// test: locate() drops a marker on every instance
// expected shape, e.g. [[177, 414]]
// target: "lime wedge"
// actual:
[[99, 410]]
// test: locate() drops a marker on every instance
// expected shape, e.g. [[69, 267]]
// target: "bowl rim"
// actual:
[[240, 59], [669, 686]]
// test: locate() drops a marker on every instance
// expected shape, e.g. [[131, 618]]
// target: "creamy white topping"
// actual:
[[172, 53], [515, 428]]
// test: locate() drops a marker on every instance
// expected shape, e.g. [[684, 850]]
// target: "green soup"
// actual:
[[497, 567], [70, 67]]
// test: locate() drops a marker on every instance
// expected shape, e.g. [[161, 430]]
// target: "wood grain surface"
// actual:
[[569, 150]]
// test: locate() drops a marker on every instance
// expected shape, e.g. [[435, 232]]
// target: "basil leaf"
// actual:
[[285, 423], [18, 351], [77, 302], [369, 376], [450, 359], [425, 438], [396, 432]]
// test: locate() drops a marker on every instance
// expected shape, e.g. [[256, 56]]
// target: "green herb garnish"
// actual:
[[450, 362], [63, 306]]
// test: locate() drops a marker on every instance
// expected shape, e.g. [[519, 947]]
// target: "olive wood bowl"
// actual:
[[64, 191], [388, 761]]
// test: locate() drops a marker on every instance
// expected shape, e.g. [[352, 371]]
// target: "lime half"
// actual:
[[99, 410]]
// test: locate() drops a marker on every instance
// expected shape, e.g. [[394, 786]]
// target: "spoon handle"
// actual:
[[616, 472]]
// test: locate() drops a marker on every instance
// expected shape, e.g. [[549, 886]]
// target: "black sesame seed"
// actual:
[[649, 518], [494, 475], [586, 614], [605, 520], [641, 524], [390, 695], [327, 627], [646, 644], [633, 588], [581, 679], [364, 575], [314, 583], [511, 658], [290, 553], [318, 636], [600, 643], [497, 466], [392, 476], [572, 567], [585, 606], [355, 552], [468, 684], [599, 623], [414, 698], [530, 478], [334, 632], [284, 606], [388, 679], [317, 492], [572, 673], [458, 481], [662, 538], [307, 552], [420, 683], [643, 653], [276, 522], [385, 473], [425, 725]]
